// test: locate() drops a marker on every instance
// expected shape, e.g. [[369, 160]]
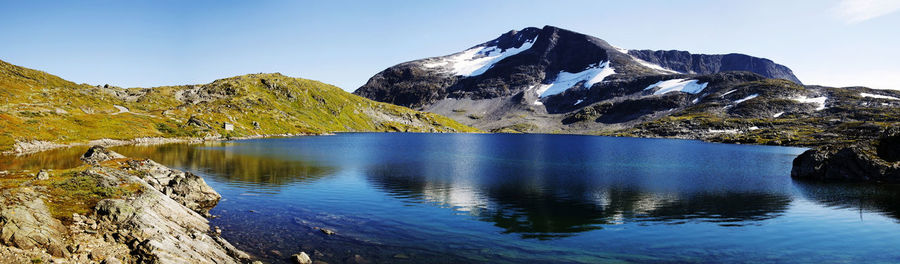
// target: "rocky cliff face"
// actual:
[[685, 62], [134, 211]]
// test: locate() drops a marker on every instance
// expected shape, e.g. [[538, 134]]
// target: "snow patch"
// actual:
[[814, 100], [477, 60], [579, 101], [754, 128], [677, 85], [746, 98], [121, 109], [726, 131], [620, 49], [729, 92], [878, 96], [652, 65], [778, 114], [595, 73]]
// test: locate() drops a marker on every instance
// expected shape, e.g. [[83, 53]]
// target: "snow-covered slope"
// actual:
[[477, 60]]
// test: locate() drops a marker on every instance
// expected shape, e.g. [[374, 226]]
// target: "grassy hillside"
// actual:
[[37, 106]]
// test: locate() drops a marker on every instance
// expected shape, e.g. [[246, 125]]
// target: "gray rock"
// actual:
[[301, 258], [42, 175], [326, 231], [97, 154], [26, 223], [161, 229], [196, 122], [185, 187]]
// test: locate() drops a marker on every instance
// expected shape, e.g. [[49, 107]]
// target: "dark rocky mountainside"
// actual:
[[685, 62], [552, 80]]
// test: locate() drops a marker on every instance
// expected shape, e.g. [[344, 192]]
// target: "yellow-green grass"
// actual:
[[35, 105]]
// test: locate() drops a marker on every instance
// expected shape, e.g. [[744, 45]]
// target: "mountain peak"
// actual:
[[532, 58]]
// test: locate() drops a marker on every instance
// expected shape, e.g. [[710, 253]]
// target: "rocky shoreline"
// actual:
[[112, 209], [867, 161], [34, 146]]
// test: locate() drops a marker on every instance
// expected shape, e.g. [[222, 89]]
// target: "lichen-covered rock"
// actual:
[[26, 223]]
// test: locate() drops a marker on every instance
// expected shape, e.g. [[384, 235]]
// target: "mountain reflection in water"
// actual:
[[519, 207], [251, 167], [498, 198]]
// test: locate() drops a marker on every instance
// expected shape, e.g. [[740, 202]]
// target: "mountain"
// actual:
[[40, 108], [551, 80]]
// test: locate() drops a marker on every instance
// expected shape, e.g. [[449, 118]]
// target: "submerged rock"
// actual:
[[301, 258], [326, 231], [867, 161]]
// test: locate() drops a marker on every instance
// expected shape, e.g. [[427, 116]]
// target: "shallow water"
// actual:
[[461, 198]]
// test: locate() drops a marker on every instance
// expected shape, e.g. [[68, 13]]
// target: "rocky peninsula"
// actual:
[[865, 161], [112, 209]]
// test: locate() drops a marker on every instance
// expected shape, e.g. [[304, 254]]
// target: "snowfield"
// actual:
[[878, 96], [565, 80], [820, 101], [477, 60], [677, 85], [746, 98]]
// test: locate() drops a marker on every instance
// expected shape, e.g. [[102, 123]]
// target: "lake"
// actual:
[[504, 198]]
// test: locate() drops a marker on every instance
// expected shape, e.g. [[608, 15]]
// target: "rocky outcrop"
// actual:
[[184, 187], [26, 223], [97, 154], [153, 214], [868, 162]]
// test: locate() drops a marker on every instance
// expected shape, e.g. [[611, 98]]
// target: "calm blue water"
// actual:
[[464, 198]]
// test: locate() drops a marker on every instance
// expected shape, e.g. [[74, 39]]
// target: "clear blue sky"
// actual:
[[152, 43]]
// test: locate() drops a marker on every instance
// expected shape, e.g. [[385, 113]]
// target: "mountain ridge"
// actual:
[[41, 108], [552, 80]]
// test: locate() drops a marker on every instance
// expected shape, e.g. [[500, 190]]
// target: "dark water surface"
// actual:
[[473, 198]]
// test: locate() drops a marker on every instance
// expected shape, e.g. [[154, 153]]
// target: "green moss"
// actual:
[[72, 191]]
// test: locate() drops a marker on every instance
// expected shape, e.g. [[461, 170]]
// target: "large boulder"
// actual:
[[866, 161], [98, 154], [889, 146]]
